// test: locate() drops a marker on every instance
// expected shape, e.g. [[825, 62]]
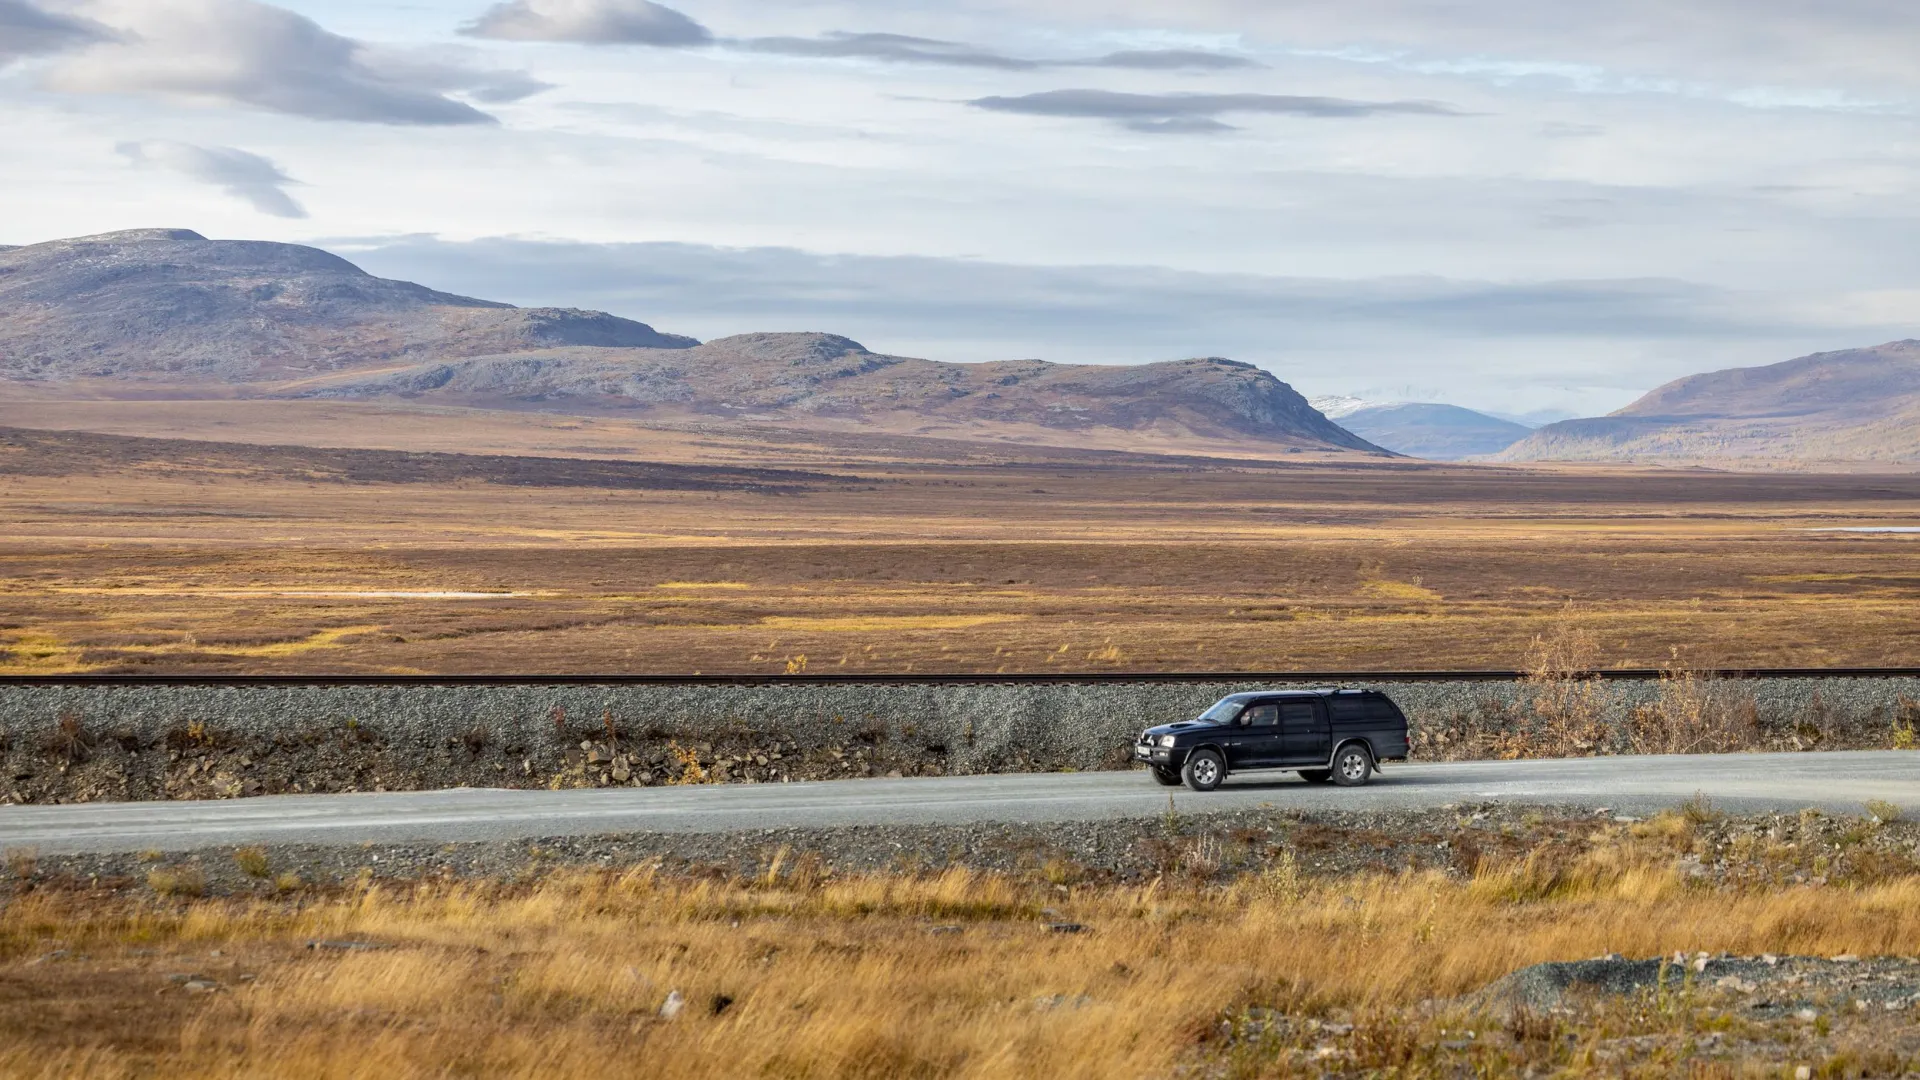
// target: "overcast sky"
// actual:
[[1507, 204]]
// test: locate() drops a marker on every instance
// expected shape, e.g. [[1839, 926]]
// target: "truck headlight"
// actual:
[[1166, 740]]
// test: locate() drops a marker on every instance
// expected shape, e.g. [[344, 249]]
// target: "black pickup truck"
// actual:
[[1335, 736]]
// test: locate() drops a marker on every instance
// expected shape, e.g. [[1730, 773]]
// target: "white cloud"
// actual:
[[238, 52], [240, 174], [589, 22]]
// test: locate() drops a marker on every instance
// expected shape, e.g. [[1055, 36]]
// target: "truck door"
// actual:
[[1253, 740], [1304, 733]]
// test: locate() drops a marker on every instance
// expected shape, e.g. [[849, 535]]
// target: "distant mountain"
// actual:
[[1335, 406], [1433, 431], [169, 312], [171, 306], [1852, 405], [1535, 418]]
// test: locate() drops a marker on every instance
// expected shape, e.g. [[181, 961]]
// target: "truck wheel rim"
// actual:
[[1352, 765], [1205, 771]]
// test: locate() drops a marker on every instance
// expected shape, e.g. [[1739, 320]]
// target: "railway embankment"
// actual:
[[79, 740]]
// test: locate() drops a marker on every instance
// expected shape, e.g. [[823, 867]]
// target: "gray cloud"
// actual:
[[590, 22], [642, 22], [897, 48], [903, 49], [26, 30], [246, 53], [240, 174], [1194, 113], [1755, 42], [900, 48], [1169, 60]]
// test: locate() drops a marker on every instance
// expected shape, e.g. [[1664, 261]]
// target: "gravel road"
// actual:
[[1747, 783]]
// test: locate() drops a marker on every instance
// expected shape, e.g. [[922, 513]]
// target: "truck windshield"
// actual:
[[1223, 710]]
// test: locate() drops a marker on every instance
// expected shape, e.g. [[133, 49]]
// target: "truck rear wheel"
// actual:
[[1352, 765]]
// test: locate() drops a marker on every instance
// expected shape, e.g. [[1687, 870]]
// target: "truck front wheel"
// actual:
[[1204, 770]]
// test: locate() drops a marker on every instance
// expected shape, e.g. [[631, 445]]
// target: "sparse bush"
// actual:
[[688, 760], [191, 738], [1202, 857], [177, 881], [1700, 810], [1061, 870], [1281, 880], [1674, 828], [252, 861], [70, 740], [1905, 722], [24, 863], [1696, 713], [1564, 695], [1884, 812], [287, 882]]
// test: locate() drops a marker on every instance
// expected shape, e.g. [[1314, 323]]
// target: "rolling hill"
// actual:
[[1433, 431], [1857, 405], [170, 306], [167, 312]]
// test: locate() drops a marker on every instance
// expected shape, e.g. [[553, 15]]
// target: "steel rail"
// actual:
[[909, 679]]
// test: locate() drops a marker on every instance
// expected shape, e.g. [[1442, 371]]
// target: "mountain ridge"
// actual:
[[1843, 405], [150, 311]]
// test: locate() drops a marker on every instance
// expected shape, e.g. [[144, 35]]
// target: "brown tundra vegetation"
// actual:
[[1234, 961], [584, 544]]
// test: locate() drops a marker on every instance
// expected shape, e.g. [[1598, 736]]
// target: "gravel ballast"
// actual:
[[72, 743]]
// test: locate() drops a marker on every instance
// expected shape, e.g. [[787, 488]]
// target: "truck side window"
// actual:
[[1297, 716], [1265, 714], [1347, 710]]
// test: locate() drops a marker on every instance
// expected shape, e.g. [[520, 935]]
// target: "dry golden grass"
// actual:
[[792, 974]]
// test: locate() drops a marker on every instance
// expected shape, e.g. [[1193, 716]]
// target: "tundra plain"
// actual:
[[449, 541]]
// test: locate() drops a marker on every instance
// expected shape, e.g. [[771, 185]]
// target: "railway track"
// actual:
[[911, 679]]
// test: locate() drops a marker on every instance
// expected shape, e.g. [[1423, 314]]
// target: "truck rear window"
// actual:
[[1362, 710]]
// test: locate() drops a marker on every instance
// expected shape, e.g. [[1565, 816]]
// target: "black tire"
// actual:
[[1204, 770], [1165, 777], [1317, 776], [1352, 765]]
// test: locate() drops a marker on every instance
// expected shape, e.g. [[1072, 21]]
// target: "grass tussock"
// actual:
[[792, 972]]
